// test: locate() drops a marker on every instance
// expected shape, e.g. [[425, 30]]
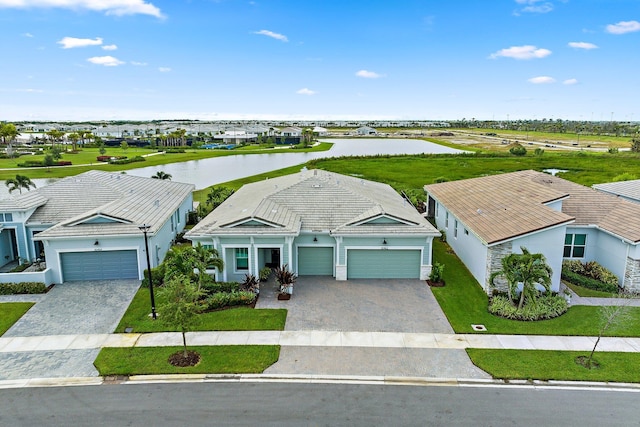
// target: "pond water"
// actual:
[[206, 172]]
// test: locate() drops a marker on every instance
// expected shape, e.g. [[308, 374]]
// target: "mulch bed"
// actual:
[[583, 360], [178, 358], [435, 284]]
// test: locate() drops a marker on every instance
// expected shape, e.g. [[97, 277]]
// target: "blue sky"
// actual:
[[285, 59]]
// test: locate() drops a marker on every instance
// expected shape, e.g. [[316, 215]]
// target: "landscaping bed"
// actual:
[[224, 359]]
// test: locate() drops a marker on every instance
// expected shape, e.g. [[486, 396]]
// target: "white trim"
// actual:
[[259, 246], [383, 215], [245, 220], [99, 215], [138, 250]]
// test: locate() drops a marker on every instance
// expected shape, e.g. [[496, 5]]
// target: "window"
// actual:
[[455, 229], [574, 245], [437, 209], [6, 217], [242, 259], [446, 219]]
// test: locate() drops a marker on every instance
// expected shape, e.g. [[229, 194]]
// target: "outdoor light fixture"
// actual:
[[315, 239], [96, 243], [384, 241], [145, 229]]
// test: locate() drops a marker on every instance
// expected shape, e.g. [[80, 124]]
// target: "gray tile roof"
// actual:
[[501, 207], [313, 201], [134, 200], [628, 189]]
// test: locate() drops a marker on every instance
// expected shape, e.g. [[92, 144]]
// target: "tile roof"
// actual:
[[627, 189], [134, 200], [501, 207], [313, 201]]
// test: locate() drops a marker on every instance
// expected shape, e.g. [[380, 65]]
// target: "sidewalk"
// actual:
[[319, 339]]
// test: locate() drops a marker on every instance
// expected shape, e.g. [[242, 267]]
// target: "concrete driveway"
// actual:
[[322, 303]]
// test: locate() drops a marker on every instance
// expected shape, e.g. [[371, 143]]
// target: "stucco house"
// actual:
[[319, 223], [490, 217], [86, 227], [366, 130]]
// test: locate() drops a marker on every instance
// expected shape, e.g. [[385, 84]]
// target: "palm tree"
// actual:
[[527, 269], [162, 175], [191, 262], [18, 183]]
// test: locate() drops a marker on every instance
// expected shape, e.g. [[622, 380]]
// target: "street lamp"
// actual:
[[145, 229]]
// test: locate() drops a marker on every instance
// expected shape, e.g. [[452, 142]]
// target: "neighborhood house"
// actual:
[[319, 223], [489, 217], [86, 227]]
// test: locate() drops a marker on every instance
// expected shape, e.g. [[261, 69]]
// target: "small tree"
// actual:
[[217, 195], [18, 183], [526, 269], [635, 145], [124, 145], [610, 317], [518, 150], [162, 176], [181, 307], [102, 149]]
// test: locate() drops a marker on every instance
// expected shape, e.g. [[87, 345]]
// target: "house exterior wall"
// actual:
[[227, 246], [47, 277], [608, 251], [550, 243]]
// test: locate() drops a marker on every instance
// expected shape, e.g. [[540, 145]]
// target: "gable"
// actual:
[[252, 222], [384, 219], [100, 219]]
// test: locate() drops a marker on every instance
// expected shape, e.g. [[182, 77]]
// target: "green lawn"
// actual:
[[556, 365], [586, 292], [10, 312], [235, 319], [224, 359], [88, 156], [614, 141], [465, 303]]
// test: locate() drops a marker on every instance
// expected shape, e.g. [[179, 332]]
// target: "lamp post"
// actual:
[[145, 229]]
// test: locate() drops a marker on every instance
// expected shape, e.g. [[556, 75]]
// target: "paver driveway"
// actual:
[[322, 303], [92, 307]]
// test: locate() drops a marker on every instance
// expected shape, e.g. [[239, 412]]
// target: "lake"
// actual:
[[206, 172]]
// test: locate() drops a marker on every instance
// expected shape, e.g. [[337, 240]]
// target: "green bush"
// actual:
[[574, 266], [174, 150], [228, 299], [518, 150], [547, 306], [126, 161], [218, 287], [157, 274], [264, 274], [598, 272], [588, 282], [436, 272], [20, 268], [22, 288]]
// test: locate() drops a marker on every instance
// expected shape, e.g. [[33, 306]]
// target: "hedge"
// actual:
[[587, 282], [228, 299], [22, 288], [126, 161], [216, 287], [547, 306]]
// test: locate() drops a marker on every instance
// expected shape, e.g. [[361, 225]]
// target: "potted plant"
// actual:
[[286, 279]]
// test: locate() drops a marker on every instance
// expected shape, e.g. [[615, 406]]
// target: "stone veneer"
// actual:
[[632, 275], [494, 263]]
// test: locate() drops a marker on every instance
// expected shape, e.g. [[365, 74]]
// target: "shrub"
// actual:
[[20, 268], [126, 161], [436, 272], [264, 274], [216, 287], [228, 299], [285, 277], [518, 150], [22, 288], [574, 266], [547, 306], [598, 272], [538, 151], [174, 150], [612, 150], [250, 284], [157, 274], [588, 282]]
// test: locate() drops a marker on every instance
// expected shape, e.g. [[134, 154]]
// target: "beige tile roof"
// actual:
[[313, 200], [134, 200], [501, 207]]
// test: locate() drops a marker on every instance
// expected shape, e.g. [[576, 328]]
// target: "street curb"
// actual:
[[316, 379]]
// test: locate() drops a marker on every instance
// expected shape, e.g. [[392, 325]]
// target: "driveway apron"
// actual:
[[93, 307]]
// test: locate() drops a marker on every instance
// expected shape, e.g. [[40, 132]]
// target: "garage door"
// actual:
[[100, 265], [383, 264], [315, 261]]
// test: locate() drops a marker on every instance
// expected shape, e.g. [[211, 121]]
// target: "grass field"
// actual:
[[611, 141], [235, 319], [556, 365], [224, 359], [10, 312]]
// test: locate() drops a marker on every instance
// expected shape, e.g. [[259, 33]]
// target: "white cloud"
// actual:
[[368, 74], [107, 61], [110, 47], [139, 64], [535, 6], [582, 45], [570, 82], [305, 91], [73, 42], [28, 35], [111, 7], [623, 27], [164, 69], [273, 35], [521, 52], [541, 80]]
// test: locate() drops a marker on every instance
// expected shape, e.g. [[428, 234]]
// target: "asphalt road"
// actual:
[[282, 404]]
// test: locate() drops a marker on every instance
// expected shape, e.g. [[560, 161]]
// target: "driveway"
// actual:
[[92, 307], [322, 303], [68, 309]]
